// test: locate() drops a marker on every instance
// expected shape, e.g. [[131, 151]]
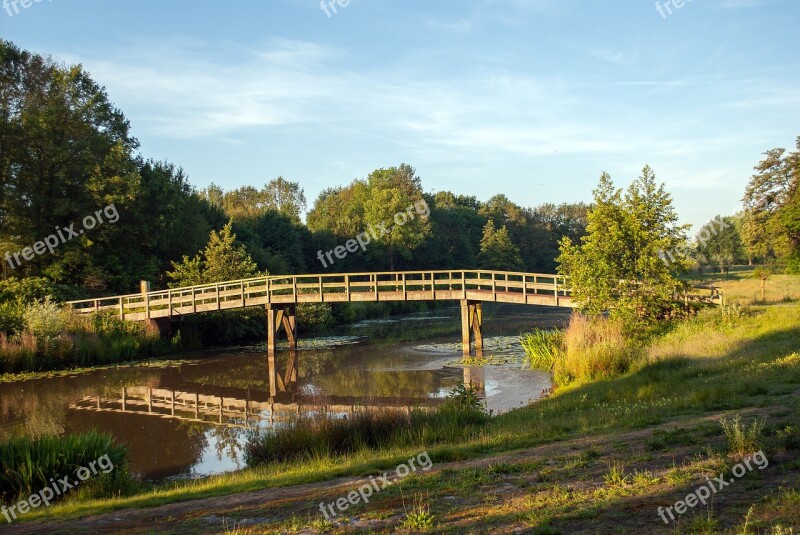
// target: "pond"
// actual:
[[190, 418]]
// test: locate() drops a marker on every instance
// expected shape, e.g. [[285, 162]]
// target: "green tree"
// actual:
[[223, 259], [720, 243], [498, 251], [618, 265], [771, 228]]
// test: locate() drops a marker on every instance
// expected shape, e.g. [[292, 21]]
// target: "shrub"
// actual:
[[12, 317], [45, 320], [29, 465], [742, 439]]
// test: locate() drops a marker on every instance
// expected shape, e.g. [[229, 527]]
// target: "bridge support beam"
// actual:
[[471, 322], [281, 316]]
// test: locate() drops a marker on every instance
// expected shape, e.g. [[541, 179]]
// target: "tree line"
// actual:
[[66, 151]]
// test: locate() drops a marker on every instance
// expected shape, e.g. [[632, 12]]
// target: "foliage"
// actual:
[[419, 517], [67, 153], [618, 265], [771, 227], [594, 348], [719, 244], [29, 465], [45, 320], [223, 259], [497, 250], [543, 348], [742, 439]]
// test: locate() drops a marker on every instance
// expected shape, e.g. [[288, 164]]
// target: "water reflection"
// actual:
[[191, 418]]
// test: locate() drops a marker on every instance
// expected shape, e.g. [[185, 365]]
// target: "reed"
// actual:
[[28, 465], [324, 435]]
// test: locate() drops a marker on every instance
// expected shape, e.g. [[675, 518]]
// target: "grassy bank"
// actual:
[[593, 448]]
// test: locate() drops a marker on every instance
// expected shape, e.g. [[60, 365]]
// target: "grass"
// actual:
[[29, 465], [324, 436], [700, 371], [590, 349], [742, 439]]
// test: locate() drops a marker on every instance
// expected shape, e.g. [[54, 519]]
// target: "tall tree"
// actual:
[[618, 265], [771, 228], [497, 250], [223, 259]]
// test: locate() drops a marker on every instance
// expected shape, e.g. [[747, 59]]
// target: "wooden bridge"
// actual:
[[280, 294]]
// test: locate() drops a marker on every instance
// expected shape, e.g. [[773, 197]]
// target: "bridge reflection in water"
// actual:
[[249, 410]]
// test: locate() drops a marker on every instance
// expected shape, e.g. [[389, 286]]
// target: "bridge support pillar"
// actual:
[[277, 317], [471, 322]]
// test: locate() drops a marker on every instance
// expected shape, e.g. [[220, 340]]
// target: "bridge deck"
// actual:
[[474, 285]]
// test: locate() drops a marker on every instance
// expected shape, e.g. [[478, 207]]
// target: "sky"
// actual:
[[530, 98]]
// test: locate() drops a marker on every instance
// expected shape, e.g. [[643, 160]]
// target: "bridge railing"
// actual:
[[281, 289]]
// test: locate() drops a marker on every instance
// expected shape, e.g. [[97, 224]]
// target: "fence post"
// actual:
[[121, 310], [525, 289]]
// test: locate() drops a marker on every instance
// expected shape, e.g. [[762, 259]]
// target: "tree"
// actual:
[[223, 259], [720, 244], [498, 251], [618, 265], [771, 227]]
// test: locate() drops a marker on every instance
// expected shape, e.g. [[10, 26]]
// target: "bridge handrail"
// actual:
[[320, 280]]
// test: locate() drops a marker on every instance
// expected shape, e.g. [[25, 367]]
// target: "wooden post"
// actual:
[[525, 289], [555, 288], [471, 324], [321, 297], [121, 309], [272, 329], [289, 322], [347, 286], [169, 303], [465, 327], [219, 305], [476, 321], [145, 287], [241, 289], [494, 288]]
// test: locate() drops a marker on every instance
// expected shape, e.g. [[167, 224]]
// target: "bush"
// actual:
[[29, 465], [45, 320], [12, 317], [742, 440]]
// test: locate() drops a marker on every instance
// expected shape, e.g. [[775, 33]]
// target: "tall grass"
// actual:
[[543, 348], [591, 348], [323, 435], [52, 339], [28, 465]]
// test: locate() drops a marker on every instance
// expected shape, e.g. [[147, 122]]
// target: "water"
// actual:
[[190, 418]]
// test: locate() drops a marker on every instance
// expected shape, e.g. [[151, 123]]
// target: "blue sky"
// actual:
[[531, 98]]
